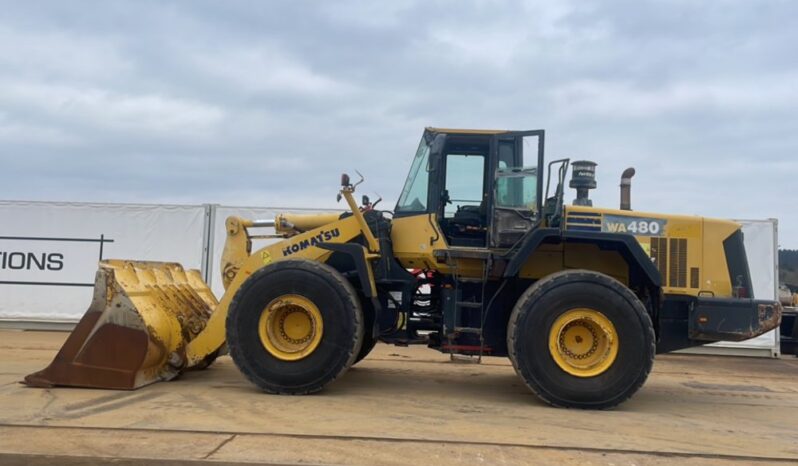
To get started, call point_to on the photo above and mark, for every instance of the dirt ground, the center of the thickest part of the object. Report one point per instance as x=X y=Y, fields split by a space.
x=400 y=406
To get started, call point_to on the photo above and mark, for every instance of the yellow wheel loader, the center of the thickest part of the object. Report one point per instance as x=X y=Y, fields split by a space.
x=481 y=257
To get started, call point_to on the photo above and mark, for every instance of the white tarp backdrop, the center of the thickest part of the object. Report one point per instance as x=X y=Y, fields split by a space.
x=49 y=250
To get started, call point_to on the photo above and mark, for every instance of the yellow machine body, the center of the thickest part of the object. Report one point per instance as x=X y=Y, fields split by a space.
x=165 y=320
x=149 y=321
x=688 y=252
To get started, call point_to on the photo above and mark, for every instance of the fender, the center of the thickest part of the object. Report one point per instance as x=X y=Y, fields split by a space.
x=365 y=275
x=625 y=244
x=358 y=254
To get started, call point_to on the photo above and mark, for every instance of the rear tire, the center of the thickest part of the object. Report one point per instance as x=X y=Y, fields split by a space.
x=614 y=313
x=335 y=305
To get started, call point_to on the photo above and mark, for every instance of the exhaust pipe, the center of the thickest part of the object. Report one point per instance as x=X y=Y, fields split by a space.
x=626 y=188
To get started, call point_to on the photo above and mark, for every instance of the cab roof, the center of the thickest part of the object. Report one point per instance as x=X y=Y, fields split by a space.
x=465 y=131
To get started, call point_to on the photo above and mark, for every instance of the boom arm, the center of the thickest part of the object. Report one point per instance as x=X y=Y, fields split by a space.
x=238 y=264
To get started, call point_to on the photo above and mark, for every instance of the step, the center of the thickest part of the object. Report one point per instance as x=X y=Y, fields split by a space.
x=464 y=359
x=469 y=280
x=469 y=304
x=473 y=330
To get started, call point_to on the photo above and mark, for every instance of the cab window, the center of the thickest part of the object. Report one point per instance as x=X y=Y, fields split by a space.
x=414 y=193
x=464 y=182
x=516 y=188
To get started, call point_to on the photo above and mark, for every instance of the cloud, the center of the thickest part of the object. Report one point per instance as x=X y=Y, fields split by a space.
x=110 y=110
x=59 y=54
x=12 y=132
x=623 y=99
x=264 y=69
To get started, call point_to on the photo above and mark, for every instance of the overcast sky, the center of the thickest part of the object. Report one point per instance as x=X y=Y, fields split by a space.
x=265 y=103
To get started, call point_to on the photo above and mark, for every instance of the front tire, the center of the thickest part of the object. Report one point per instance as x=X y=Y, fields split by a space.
x=369 y=340
x=581 y=339
x=294 y=326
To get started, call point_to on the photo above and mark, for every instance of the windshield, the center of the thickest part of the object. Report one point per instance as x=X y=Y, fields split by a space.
x=516 y=188
x=414 y=194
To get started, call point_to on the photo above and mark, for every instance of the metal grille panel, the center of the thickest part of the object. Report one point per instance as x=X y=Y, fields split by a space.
x=659 y=251
x=677 y=271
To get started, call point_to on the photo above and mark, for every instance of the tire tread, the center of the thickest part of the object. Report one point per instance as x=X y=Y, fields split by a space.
x=317 y=268
x=552 y=281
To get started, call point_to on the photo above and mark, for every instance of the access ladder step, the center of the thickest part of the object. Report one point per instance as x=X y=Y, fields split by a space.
x=469 y=304
x=473 y=330
x=469 y=280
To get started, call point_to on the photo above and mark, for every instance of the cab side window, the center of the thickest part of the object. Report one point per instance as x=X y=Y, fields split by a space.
x=465 y=176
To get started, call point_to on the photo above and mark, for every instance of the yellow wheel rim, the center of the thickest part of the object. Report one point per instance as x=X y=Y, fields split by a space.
x=583 y=342
x=290 y=327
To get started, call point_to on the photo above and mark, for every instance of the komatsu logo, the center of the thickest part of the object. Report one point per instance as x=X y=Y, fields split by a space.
x=322 y=237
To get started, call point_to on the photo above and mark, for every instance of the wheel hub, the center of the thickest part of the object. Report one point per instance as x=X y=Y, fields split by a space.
x=290 y=327
x=583 y=342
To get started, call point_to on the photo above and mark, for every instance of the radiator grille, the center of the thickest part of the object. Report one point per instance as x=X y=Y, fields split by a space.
x=659 y=252
x=677 y=270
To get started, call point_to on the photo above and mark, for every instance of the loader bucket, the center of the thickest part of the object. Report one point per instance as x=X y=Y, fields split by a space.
x=135 y=332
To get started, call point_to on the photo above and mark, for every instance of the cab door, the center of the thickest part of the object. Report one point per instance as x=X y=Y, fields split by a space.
x=517 y=192
x=465 y=197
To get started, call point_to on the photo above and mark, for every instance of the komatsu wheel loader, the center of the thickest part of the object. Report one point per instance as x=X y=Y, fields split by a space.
x=478 y=258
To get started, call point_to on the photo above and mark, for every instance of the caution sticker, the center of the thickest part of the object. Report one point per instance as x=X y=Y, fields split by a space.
x=266 y=257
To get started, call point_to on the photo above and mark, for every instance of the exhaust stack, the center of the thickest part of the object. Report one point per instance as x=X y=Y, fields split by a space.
x=626 y=188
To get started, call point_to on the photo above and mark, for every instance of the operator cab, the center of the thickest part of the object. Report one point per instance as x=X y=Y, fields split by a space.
x=477 y=184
